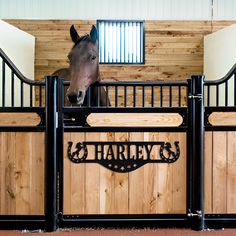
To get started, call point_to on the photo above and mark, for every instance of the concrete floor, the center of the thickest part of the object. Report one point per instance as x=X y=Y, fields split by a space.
x=144 y=232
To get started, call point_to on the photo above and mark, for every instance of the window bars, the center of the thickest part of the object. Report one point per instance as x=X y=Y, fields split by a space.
x=121 y=42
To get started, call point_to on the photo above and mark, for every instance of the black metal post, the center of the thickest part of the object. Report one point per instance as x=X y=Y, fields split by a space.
x=196 y=151
x=60 y=143
x=50 y=154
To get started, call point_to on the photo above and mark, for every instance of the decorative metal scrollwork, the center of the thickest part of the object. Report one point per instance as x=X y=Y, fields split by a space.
x=123 y=156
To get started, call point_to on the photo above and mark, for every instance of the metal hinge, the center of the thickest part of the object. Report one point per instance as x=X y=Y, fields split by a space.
x=196 y=96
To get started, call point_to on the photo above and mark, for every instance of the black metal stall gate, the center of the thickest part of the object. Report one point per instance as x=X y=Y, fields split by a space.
x=46 y=98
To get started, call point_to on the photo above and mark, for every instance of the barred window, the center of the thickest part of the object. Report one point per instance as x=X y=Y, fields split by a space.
x=121 y=42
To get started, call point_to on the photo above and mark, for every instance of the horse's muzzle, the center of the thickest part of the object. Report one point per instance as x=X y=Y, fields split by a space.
x=76 y=98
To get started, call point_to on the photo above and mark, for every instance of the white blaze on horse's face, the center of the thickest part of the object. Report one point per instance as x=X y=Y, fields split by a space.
x=84 y=62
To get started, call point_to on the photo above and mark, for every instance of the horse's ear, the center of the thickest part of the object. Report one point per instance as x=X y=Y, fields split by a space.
x=73 y=34
x=94 y=34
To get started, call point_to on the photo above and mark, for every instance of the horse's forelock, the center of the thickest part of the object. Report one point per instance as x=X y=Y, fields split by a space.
x=83 y=38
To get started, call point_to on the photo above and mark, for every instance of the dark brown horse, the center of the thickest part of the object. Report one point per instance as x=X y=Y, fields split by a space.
x=83 y=71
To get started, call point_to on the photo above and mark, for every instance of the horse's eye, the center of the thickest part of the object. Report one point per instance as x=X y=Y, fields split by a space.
x=93 y=57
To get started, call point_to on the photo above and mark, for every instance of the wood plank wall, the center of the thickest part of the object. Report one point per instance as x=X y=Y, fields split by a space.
x=174 y=49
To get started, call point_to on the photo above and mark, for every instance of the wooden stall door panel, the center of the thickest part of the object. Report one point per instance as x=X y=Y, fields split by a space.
x=136 y=182
x=219 y=192
x=231 y=172
x=150 y=180
x=220 y=169
x=22 y=173
x=37 y=174
x=67 y=180
x=153 y=188
x=92 y=181
x=7 y=174
x=179 y=175
x=107 y=182
x=171 y=188
x=77 y=183
x=208 y=172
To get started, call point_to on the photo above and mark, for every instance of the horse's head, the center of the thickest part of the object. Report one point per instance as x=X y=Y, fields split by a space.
x=84 y=62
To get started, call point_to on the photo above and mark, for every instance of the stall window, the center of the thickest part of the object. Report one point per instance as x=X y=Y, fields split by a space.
x=121 y=42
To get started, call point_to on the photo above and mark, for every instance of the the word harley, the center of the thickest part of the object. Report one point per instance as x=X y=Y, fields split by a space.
x=123 y=156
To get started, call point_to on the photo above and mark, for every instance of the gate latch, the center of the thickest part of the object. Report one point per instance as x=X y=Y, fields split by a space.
x=196 y=96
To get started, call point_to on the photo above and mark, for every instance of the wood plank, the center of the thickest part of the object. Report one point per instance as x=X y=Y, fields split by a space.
x=107 y=182
x=92 y=180
x=23 y=165
x=7 y=178
x=231 y=172
x=219 y=172
x=67 y=176
x=150 y=180
x=179 y=174
x=208 y=175
x=164 y=181
x=136 y=184
x=37 y=173
x=134 y=119
x=121 y=183
x=77 y=180
x=19 y=119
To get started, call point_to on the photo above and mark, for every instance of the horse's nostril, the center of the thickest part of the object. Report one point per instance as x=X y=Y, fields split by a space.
x=72 y=98
x=80 y=94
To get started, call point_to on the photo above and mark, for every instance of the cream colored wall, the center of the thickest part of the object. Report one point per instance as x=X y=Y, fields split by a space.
x=19 y=46
x=219 y=57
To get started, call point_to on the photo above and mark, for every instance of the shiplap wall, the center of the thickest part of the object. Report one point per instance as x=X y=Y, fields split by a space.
x=122 y=9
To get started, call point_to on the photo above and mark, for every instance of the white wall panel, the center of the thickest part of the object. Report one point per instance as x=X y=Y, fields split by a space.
x=106 y=9
x=224 y=10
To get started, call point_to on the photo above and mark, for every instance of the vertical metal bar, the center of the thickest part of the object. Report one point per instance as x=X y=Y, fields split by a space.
x=31 y=96
x=125 y=96
x=134 y=96
x=21 y=93
x=161 y=96
x=116 y=96
x=179 y=96
x=107 y=96
x=197 y=141
x=152 y=95
x=98 y=95
x=50 y=155
x=170 y=96
x=217 y=95
x=12 y=88
x=89 y=97
x=143 y=96
x=40 y=95
x=60 y=146
x=3 y=83
x=226 y=93
x=189 y=165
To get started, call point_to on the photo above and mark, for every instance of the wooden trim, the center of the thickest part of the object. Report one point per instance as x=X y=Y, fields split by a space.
x=222 y=118
x=134 y=119
x=19 y=119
